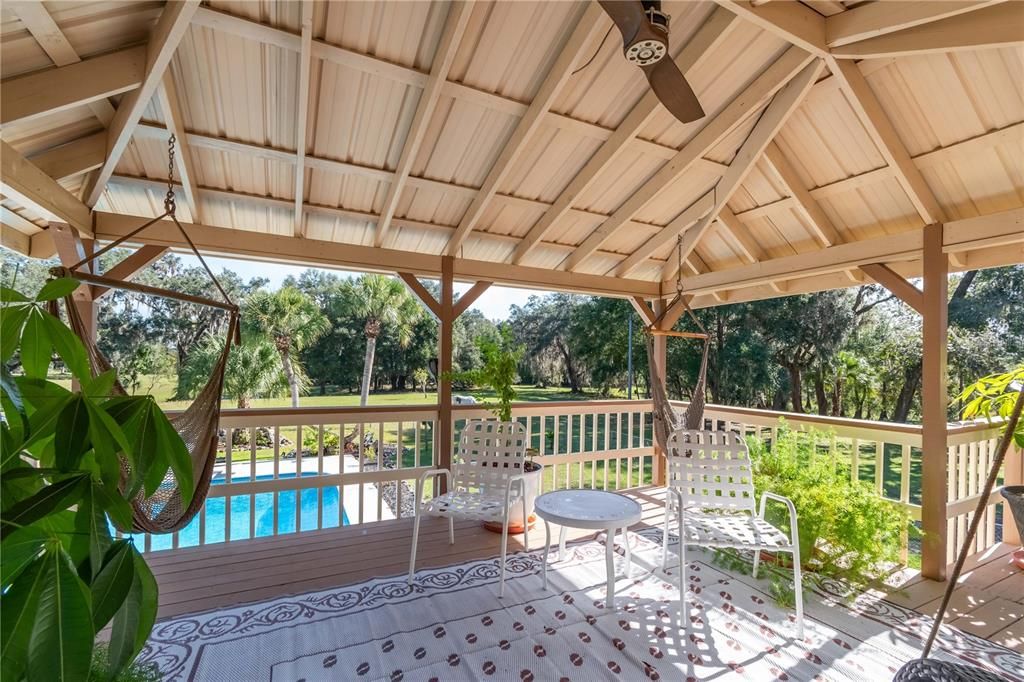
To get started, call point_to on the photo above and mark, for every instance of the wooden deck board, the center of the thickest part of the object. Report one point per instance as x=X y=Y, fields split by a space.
x=989 y=601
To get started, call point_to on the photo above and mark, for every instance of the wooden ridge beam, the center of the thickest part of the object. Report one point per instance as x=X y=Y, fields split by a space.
x=580 y=42
x=46 y=92
x=699 y=47
x=30 y=187
x=444 y=57
x=714 y=131
x=990 y=27
x=258 y=246
x=469 y=298
x=794 y=22
x=130 y=266
x=38 y=21
x=417 y=289
x=169 y=30
x=170 y=105
x=302 y=115
x=774 y=117
x=901 y=288
x=877 y=19
x=824 y=230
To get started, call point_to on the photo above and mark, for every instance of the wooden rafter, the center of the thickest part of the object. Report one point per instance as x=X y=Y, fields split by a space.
x=694 y=212
x=986 y=28
x=824 y=230
x=707 y=37
x=168 y=32
x=876 y=19
x=580 y=42
x=47 y=92
x=794 y=22
x=37 y=20
x=170 y=104
x=68 y=160
x=775 y=115
x=24 y=183
x=130 y=266
x=894 y=282
x=713 y=132
x=869 y=110
x=305 y=66
x=455 y=27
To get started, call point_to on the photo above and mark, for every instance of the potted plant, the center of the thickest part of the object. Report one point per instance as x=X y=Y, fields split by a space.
x=991 y=397
x=500 y=363
x=65 y=578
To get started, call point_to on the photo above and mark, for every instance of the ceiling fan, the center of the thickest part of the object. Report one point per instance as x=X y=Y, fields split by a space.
x=644 y=29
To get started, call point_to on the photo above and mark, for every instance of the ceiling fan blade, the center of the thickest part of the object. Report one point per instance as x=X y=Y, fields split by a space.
x=628 y=16
x=675 y=93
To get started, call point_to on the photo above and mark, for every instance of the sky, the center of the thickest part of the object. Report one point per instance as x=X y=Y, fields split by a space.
x=493 y=303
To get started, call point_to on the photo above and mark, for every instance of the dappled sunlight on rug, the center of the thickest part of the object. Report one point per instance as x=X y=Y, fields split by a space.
x=451 y=625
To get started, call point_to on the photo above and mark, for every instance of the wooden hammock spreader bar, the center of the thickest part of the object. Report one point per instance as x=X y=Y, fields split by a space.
x=141 y=288
x=682 y=335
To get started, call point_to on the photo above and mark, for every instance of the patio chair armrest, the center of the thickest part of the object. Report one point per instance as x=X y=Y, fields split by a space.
x=423 y=477
x=765 y=496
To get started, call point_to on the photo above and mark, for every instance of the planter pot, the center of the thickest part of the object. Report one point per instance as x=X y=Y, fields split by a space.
x=1014 y=495
x=534 y=471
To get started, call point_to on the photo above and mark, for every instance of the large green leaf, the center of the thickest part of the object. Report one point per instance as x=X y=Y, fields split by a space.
x=12 y=393
x=8 y=295
x=116 y=506
x=54 y=497
x=60 y=647
x=68 y=346
x=12 y=319
x=112 y=584
x=36 y=347
x=17 y=617
x=72 y=437
x=173 y=447
x=57 y=288
x=20 y=549
x=134 y=620
x=101 y=385
x=92 y=538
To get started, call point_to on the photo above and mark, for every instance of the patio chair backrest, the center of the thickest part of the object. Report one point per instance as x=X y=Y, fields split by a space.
x=711 y=469
x=489 y=453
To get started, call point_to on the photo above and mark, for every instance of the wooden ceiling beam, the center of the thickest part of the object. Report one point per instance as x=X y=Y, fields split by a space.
x=694 y=212
x=27 y=185
x=581 y=41
x=47 y=92
x=249 y=245
x=129 y=267
x=38 y=21
x=14 y=239
x=302 y=114
x=878 y=126
x=444 y=57
x=875 y=19
x=419 y=291
x=169 y=30
x=71 y=159
x=170 y=105
x=714 y=131
x=824 y=230
x=700 y=46
x=794 y=22
x=775 y=116
x=986 y=28
x=894 y=282
x=749 y=248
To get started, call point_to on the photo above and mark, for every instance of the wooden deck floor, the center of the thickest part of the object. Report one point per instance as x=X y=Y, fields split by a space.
x=989 y=601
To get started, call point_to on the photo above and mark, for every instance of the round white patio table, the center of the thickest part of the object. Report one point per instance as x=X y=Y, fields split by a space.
x=588 y=510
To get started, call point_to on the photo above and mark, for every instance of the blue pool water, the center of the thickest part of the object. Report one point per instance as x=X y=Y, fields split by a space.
x=264 y=514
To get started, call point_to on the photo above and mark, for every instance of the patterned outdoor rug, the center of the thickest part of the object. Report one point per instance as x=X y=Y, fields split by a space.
x=450 y=625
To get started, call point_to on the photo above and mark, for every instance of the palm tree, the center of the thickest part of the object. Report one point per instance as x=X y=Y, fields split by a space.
x=292 y=320
x=253 y=369
x=383 y=302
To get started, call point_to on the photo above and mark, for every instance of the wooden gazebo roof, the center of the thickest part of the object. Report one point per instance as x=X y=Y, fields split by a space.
x=386 y=135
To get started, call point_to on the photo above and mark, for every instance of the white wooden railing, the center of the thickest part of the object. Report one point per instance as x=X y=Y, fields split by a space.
x=273 y=486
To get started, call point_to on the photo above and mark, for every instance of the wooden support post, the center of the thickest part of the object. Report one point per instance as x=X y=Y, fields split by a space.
x=71 y=249
x=661 y=361
x=444 y=366
x=933 y=405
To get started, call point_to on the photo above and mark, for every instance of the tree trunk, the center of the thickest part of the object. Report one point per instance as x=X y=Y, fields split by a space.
x=244 y=402
x=819 y=394
x=371 y=347
x=571 y=371
x=837 y=395
x=796 y=387
x=905 y=400
x=289 y=373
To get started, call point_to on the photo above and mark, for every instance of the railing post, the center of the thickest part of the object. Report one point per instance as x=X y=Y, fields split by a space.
x=934 y=403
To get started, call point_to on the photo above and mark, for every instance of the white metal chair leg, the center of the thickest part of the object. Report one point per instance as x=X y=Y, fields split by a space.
x=547 y=550
x=798 y=585
x=451 y=530
x=415 y=539
x=629 y=558
x=504 y=550
x=526 y=527
x=682 y=574
x=664 y=541
x=757 y=560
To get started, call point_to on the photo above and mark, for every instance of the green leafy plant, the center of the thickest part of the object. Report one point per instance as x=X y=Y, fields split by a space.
x=992 y=397
x=846 y=530
x=500 y=362
x=64 y=576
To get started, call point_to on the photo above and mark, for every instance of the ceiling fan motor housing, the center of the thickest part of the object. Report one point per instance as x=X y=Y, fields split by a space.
x=653 y=45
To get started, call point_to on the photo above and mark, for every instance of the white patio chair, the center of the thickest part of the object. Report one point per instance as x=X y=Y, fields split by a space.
x=711 y=491
x=485 y=481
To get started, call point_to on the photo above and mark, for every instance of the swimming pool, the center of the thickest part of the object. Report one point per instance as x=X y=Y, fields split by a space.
x=264 y=514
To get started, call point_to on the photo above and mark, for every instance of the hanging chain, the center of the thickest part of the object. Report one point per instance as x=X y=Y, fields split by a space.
x=679 y=265
x=169 y=204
